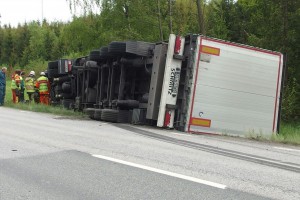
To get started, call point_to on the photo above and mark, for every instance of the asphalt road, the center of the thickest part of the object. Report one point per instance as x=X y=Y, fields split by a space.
x=51 y=157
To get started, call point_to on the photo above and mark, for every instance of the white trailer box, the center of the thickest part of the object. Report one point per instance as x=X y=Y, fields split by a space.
x=235 y=89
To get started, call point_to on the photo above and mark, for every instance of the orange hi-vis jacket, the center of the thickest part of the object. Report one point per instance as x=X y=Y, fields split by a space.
x=43 y=85
x=18 y=80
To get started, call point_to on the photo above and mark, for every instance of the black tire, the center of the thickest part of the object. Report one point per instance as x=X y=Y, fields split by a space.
x=66 y=87
x=104 y=52
x=117 y=48
x=109 y=115
x=139 y=48
x=95 y=55
x=124 y=116
x=90 y=112
x=97 y=114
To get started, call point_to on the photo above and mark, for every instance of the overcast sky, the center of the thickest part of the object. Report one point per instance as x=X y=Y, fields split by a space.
x=19 y=11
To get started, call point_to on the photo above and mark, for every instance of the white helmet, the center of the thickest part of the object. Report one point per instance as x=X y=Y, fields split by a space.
x=43 y=74
x=32 y=73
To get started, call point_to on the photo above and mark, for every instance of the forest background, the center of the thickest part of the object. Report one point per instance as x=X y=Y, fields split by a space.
x=269 y=24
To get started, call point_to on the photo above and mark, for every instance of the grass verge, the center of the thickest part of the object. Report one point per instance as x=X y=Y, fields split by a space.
x=57 y=110
x=289 y=134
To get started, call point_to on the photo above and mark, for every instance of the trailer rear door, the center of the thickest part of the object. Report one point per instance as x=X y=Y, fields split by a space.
x=235 y=89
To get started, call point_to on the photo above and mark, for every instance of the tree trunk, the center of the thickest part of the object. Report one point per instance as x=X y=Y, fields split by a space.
x=200 y=17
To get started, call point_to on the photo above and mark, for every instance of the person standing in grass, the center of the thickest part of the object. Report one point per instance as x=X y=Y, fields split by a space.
x=29 y=85
x=2 y=85
x=22 y=87
x=15 y=82
x=43 y=85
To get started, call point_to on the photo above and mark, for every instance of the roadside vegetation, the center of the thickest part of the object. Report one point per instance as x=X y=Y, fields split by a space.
x=268 y=24
x=289 y=133
x=57 y=110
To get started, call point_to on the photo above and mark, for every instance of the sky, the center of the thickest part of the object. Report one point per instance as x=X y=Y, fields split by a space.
x=20 y=11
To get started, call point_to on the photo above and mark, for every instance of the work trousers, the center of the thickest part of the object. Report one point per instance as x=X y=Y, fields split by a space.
x=44 y=99
x=21 y=96
x=30 y=96
x=14 y=96
x=2 y=95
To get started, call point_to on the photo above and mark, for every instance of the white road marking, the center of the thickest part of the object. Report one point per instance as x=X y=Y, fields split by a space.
x=287 y=149
x=189 y=178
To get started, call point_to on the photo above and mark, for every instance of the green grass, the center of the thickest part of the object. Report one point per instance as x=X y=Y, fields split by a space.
x=57 y=110
x=289 y=134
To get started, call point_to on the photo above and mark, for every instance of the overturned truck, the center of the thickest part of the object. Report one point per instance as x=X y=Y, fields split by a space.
x=194 y=83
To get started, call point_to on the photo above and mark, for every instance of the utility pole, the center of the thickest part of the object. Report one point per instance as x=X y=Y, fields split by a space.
x=200 y=17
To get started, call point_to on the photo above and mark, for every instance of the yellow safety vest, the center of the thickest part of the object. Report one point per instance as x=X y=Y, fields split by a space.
x=13 y=82
x=29 y=84
x=43 y=82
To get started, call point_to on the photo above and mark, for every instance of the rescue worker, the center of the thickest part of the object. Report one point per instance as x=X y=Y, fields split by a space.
x=29 y=85
x=2 y=85
x=22 y=87
x=43 y=86
x=15 y=81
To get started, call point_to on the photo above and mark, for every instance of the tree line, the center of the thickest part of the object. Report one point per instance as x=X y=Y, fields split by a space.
x=269 y=24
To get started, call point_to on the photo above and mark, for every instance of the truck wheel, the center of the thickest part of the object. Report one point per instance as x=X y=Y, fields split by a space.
x=89 y=112
x=117 y=47
x=104 y=52
x=97 y=114
x=66 y=87
x=109 y=115
x=139 y=48
x=95 y=55
x=123 y=116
